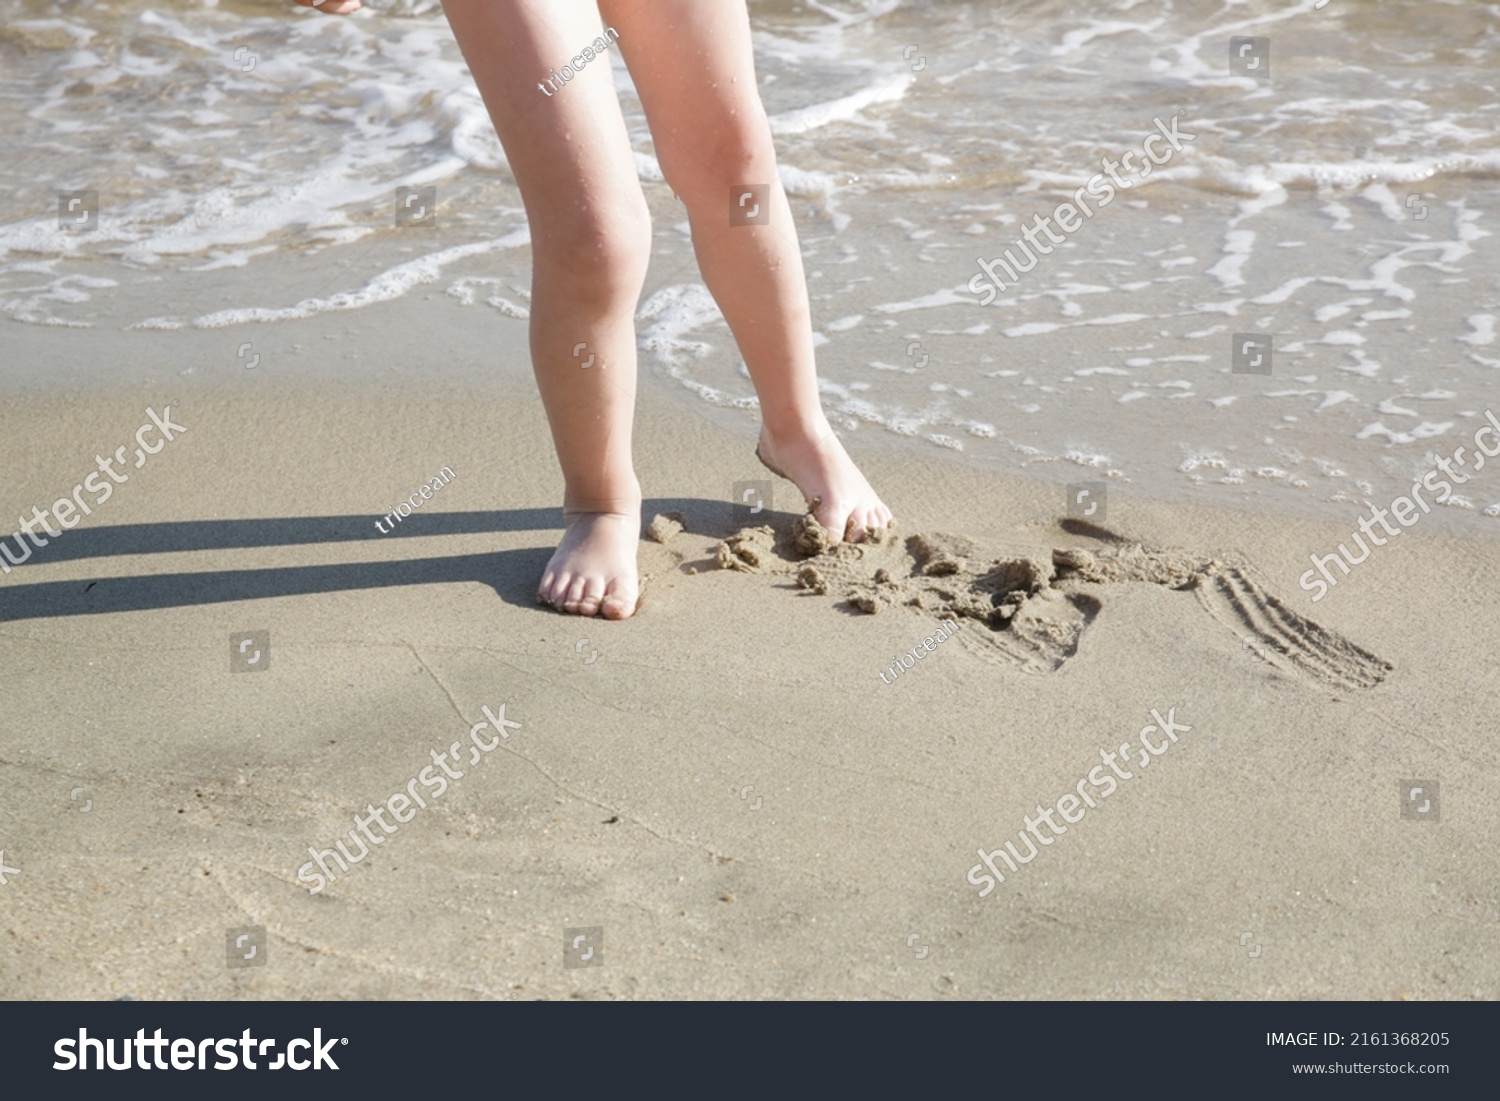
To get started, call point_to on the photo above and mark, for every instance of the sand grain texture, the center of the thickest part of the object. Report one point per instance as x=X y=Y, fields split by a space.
x=724 y=783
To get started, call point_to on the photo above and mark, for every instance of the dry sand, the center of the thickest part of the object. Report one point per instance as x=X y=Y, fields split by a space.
x=723 y=783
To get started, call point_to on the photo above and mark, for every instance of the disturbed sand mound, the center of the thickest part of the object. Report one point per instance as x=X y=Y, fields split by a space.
x=1037 y=608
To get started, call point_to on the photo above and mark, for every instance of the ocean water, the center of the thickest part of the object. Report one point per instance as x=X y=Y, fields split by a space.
x=1335 y=203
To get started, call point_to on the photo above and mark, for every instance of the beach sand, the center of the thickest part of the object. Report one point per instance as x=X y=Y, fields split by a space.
x=724 y=783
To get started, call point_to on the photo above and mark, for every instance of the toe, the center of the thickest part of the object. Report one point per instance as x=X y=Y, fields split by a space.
x=593 y=593
x=858 y=527
x=572 y=597
x=835 y=519
x=552 y=586
x=618 y=604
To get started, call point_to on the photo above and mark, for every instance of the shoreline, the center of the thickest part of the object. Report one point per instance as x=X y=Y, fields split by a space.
x=484 y=351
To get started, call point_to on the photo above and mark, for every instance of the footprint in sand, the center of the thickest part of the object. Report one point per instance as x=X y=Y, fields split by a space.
x=1037 y=610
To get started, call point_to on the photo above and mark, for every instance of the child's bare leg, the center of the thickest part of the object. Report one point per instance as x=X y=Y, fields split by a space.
x=692 y=63
x=591 y=240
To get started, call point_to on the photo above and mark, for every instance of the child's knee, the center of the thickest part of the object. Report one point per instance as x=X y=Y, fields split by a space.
x=739 y=153
x=601 y=251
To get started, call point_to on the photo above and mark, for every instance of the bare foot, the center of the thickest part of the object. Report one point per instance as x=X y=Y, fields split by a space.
x=593 y=570
x=841 y=499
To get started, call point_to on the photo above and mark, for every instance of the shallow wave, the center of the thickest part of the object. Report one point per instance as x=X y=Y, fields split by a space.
x=1344 y=206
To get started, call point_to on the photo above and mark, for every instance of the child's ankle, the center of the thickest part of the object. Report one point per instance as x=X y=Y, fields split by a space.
x=798 y=430
x=619 y=503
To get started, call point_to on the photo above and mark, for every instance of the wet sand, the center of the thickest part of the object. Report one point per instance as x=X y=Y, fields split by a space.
x=724 y=784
